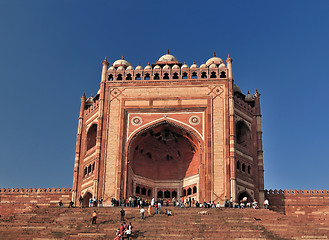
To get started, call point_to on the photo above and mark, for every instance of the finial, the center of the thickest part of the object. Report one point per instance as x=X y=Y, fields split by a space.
x=214 y=54
x=248 y=92
x=84 y=95
x=91 y=95
x=228 y=56
x=257 y=94
x=105 y=62
x=202 y=62
x=193 y=62
x=139 y=64
x=168 y=51
x=148 y=63
x=123 y=57
x=185 y=62
x=229 y=59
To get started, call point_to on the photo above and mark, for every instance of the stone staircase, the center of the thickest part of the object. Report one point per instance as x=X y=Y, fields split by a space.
x=75 y=223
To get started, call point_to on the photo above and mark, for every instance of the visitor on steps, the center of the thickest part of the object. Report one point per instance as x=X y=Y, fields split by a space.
x=156 y=208
x=80 y=201
x=90 y=202
x=60 y=203
x=149 y=210
x=255 y=204
x=152 y=202
x=94 y=218
x=122 y=214
x=142 y=211
x=266 y=203
x=100 y=202
x=231 y=202
x=129 y=231
x=71 y=204
x=121 y=231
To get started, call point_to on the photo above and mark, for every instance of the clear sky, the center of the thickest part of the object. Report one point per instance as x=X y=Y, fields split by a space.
x=51 y=52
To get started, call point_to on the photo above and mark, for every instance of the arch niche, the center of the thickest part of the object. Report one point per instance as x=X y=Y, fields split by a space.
x=164 y=157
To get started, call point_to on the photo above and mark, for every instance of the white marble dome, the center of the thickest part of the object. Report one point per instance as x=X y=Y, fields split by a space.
x=194 y=65
x=157 y=67
x=166 y=67
x=167 y=58
x=175 y=66
x=148 y=67
x=139 y=67
x=121 y=62
x=120 y=68
x=130 y=68
x=215 y=60
x=212 y=66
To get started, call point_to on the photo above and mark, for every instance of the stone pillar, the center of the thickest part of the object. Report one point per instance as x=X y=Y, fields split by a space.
x=229 y=61
x=260 y=164
x=78 y=149
x=231 y=130
x=100 y=128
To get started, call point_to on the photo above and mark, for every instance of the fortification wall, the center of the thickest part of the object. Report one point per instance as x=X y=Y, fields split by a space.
x=15 y=200
x=310 y=204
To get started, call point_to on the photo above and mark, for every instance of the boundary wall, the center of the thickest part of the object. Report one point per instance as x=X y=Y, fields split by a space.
x=18 y=200
x=310 y=204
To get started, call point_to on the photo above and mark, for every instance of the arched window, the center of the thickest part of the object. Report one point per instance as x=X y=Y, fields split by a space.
x=249 y=169
x=110 y=77
x=138 y=190
x=184 y=75
x=194 y=189
x=160 y=194
x=189 y=191
x=149 y=193
x=184 y=192
x=213 y=75
x=167 y=194
x=194 y=75
x=174 y=194
x=91 y=136
x=128 y=77
x=242 y=134
x=119 y=77
x=156 y=76
x=238 y=165
x=243 y=167
x=147 y=76
x=93 y=167
x=222 y=74
x=138 y=76
x=175 y=76
x=85 y=171
x=203 y=75
x=89 y=169
x=143 y=191
x=166 y=76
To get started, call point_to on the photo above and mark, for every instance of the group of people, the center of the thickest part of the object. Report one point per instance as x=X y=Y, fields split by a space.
x=124 y=231
x=185 y=202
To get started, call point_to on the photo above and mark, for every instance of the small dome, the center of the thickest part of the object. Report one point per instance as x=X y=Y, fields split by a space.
x=175 y=66
x=194 y=65
x=157 y=67
x=215 y=60
x=148 y=67
x=203 y=65
x=130 y=68
x=121 y=68
x=90 y=99
x=236 y=88
x=166 y=67
x=222 y=65
x=184 y=66
x=213 y=66
x=111 y=68
x=248 y=97
x=121 y=62
x=167 y=58
x=139 y=67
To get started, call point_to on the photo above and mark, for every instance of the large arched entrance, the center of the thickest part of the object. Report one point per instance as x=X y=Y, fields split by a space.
x=163 y=161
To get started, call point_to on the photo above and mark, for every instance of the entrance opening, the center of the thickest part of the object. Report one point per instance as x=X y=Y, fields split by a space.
x=245 y=194
x=163 y=156
x=86 y=197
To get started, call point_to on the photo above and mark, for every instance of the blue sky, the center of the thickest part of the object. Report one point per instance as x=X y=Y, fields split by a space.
x=51 y=52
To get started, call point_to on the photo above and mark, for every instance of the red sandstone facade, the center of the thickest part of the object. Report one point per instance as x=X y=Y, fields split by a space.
x=169 y=130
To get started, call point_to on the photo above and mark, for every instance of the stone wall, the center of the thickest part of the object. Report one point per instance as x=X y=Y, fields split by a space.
x=310 y=204
x=14 y=200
